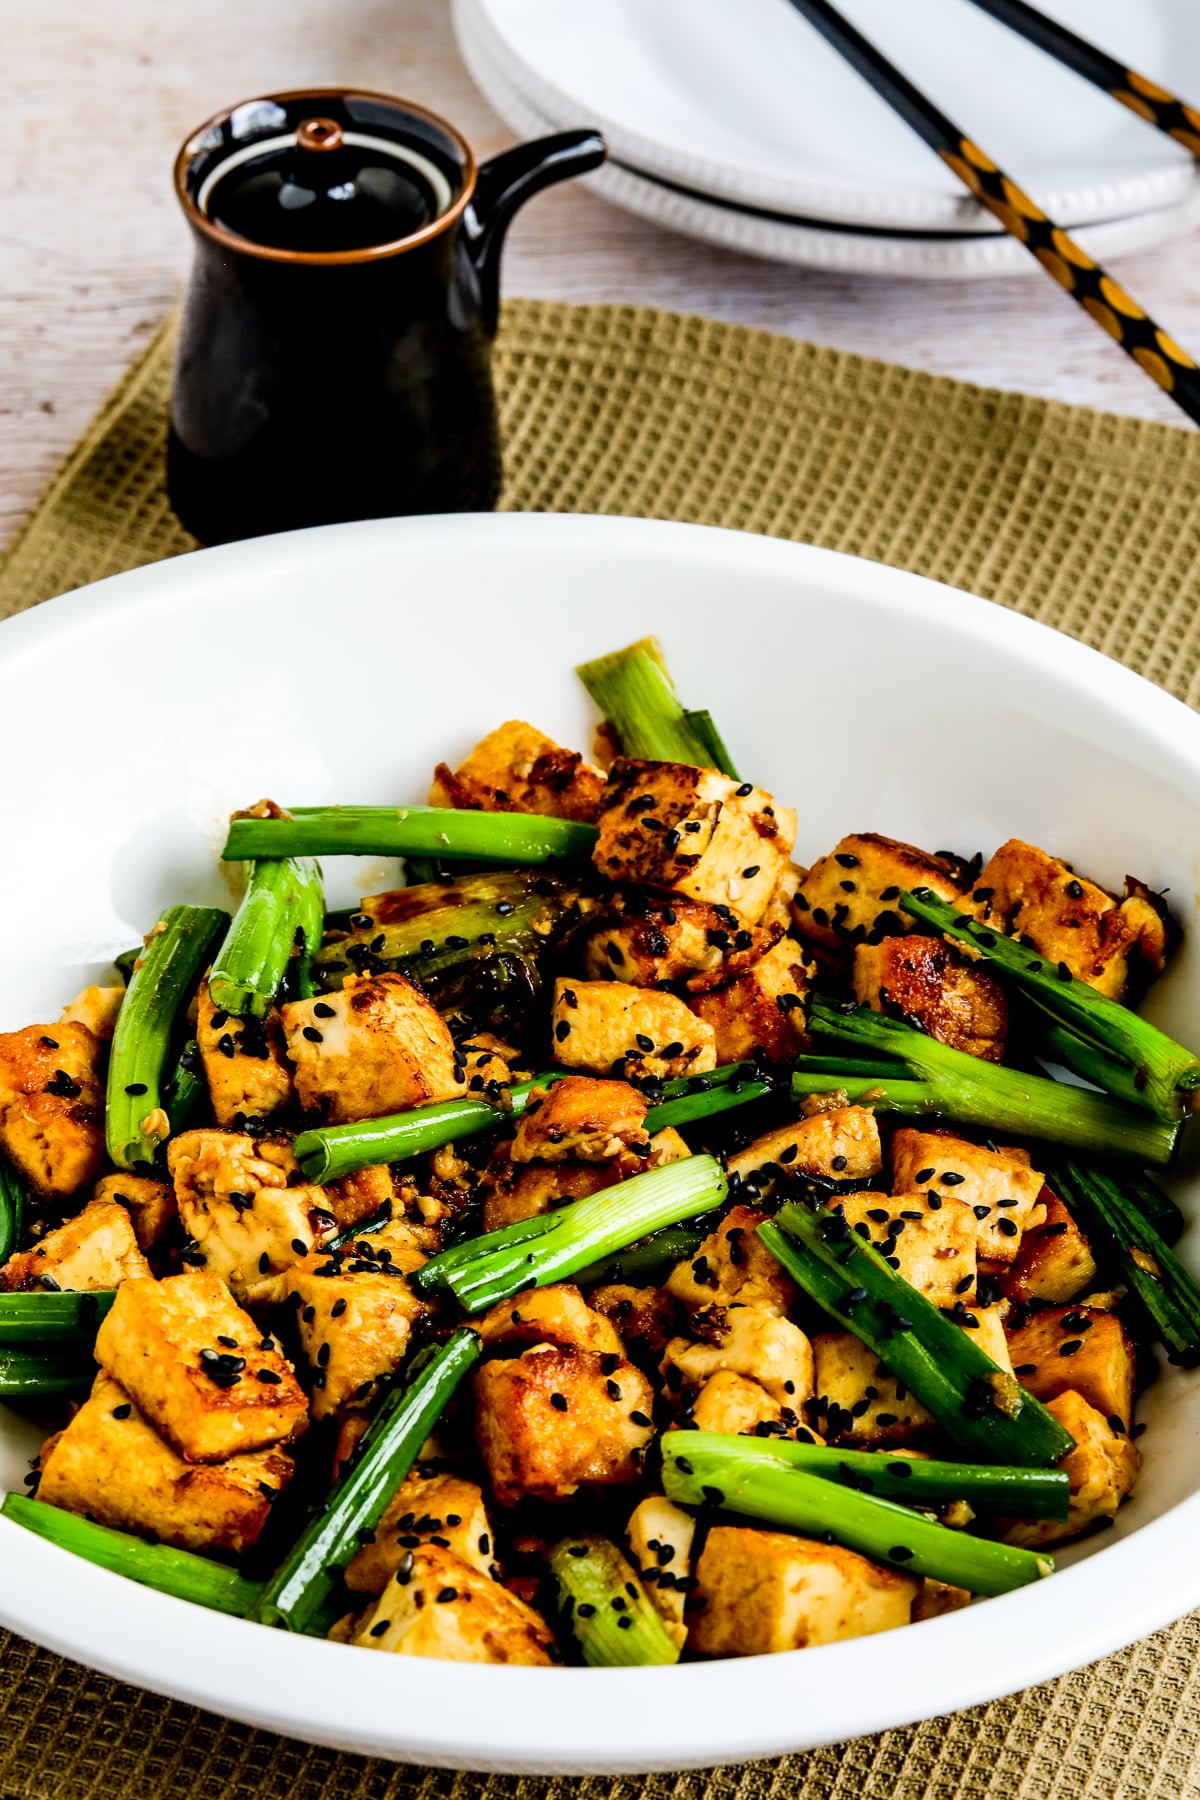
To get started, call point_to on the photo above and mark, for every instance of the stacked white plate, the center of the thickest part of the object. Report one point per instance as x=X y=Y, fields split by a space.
x=734 y=122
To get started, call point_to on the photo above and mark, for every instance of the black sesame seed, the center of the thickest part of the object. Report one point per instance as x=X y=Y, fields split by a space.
x=838 y=1163
x=1009 y=1227
x=299 y=1246
x=1069 y=1348
x=559 y=1402
x=900 y=1554
x=123 y=1411
x=313 y=1035
x=270 y=1377
x=747 y=787
x=684 y=1466
x=1063 y=973
x=638 y=1418
x=135 y=1087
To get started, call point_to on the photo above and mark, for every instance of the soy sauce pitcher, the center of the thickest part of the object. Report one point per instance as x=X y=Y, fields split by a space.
x=334 y=357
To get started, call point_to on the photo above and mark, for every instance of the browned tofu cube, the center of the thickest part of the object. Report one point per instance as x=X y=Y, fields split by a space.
x=516 y=768
x=839 y=1145
x=558 y=1314
x=1000 y=1188
x=925 y=979
x=693 y=832
x=1071 y=920
x=735 y=1405
x=733 y=1265
x=762 y=1008
x=646 y=1317
x=928 y=1239
x=246 y=1209
x=512 y=1192
x=938 y=1597
x=97 y=1008
x=52 y=1107
x=440 y=1606
x=377 y=1046
x=1079 y=1348
x=767 y=1590
x=1102 y=1468
x=354 y=1328
x=244 y=1063
x=149 y=1203
x=112 y=1466
x=647 y=938
x=660 y=1543
x=580 y=1119
x=359 y=1196
x=608 y=1027
x=558 y=1420
x=95 y=1251
x=851 y=894
x=196 y=1365
x=752 y=1342
x=859 y=1402
x=1055 y=1261
x=443 y=1510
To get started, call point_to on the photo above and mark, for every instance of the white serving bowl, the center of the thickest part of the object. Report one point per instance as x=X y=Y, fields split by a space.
x=341 y=664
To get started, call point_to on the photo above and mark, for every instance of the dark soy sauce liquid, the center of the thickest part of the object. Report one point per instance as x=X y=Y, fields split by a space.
x=333 y=200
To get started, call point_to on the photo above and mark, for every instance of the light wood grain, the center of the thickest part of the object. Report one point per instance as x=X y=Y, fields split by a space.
x=92 y=251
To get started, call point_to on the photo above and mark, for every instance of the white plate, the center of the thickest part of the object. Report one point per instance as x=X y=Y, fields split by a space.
x=340 y=664
x=746 y=102
x=974 y=255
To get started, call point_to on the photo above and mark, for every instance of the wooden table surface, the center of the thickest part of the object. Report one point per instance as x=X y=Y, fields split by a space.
x=92 y=250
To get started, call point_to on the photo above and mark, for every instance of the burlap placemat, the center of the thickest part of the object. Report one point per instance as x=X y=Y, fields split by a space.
x=1088 y=522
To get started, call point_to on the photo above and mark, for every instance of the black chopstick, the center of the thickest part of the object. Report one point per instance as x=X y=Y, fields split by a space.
x=1090 y=286
x=1142 y=96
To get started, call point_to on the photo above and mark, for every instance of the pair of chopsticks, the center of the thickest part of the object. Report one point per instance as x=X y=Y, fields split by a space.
x=1102 y=298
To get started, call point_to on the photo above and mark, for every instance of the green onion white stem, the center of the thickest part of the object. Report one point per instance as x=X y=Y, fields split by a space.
x=634 y=691
x=615 y=1622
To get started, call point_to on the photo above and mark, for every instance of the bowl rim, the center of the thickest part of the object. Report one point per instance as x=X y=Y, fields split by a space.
x=465 y=1716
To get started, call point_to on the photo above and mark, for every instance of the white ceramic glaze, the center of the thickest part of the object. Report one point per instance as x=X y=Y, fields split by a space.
x=340 y=664
x=747 y=102
x=972 y=254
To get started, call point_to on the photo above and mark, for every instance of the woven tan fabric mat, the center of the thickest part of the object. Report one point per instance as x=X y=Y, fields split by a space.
x=1089 y=522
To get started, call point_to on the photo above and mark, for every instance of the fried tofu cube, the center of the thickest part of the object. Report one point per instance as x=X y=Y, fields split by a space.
x=938 y=1597
x=149 y=1203
x=666 y=1146
x=359 y=1196
x=926 y=979
x=999 y=1186
x=1102 y=1469
x=443 y=1608
x=859 y=1402
x=558 y=1314
x=1077 y=1348
x=112 y=1466
x=733 y=1264
x=693 y=832
x=354 y=1328
x=92 y=1252
x=646 y=1317
x=1055 y=1261
x=767 y=1590
x=244 y=1063
x=377 y=1046
x=1071 y=920
x=196 y=1366
x=580 y=1119
x=52 y=1107
x=851 y=894
x=931 y=1238
x=97 y=1008
x=559 y=1420
x=734 y=1405
x=443 y=1510
x=608 y=1027
x=762 y=1008
x=839 y=1145
x=516 y=768
x=648 y=938
x=246 y=1208
x=752 y=1342
x=512 y=1193
x=660 y=1541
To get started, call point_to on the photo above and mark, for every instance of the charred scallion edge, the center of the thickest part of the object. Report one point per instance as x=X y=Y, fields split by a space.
x=980 y=1405
x=1025 y=1493
x=27 y=1374
x=124 y=962
x=613 y=1618
x=308 y=1574
x=433 y=1277
x=580 y=1233
x=185 y=1087
x=52 y=1320
x=781 y=1494
x=12 y=1209
x=175 y=1572
x=282 y=899
x=512 y=838
x=938 y=1078
x=1111 y=1216
x=1154 y=1205
x=645 y=1264
x=634 y=691
x=175 y=954
x=1166 y=1075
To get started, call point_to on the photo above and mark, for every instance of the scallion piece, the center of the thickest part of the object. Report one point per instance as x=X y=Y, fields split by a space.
x=513 y=838
x=634 y=691
x=615 y=1622
x=308 y=1574
x=778 y=1493
x=12 y=1210
x=282 y=899
x=644 y=1264
x=34 y=1374
x=184 y=1087
x=175 y=954
x=328 y=1152
x=53 y=1319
